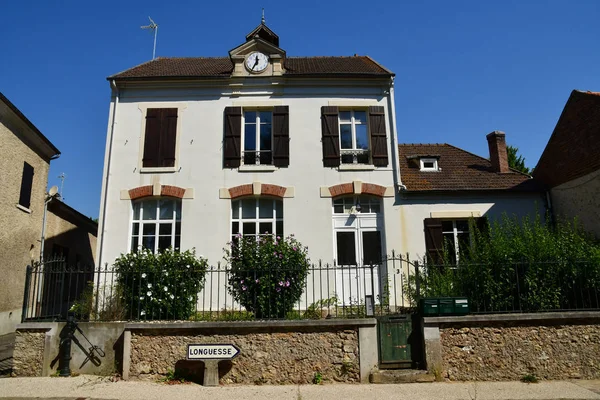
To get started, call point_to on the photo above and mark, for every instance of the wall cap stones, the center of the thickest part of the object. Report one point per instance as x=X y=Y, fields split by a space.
x=546 y=317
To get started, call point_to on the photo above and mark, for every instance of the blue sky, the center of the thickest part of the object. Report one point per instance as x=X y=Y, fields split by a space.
x=463 y=68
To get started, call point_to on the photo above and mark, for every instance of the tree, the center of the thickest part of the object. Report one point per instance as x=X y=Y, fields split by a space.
x=516 y=161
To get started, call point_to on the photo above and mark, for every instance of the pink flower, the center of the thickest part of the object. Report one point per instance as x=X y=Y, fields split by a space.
x=256 y=281
x=278 y=289
x=294 y=248
x=287 y=283
x=280 y=283
x=244 y=288
x=281 y=256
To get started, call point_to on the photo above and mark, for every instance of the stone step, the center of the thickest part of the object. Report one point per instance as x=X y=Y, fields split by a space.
x=401 y=376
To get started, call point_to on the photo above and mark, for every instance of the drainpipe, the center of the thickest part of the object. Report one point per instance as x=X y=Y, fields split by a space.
x=394 y=135
x=107 y=172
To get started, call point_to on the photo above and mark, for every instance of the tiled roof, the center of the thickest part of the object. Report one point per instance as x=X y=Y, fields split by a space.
x=201 y=67
x=460 y=170
x=574 y=147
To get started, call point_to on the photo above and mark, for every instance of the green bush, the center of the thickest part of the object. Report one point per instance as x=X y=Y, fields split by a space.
x=160 y=286
x=267 y=274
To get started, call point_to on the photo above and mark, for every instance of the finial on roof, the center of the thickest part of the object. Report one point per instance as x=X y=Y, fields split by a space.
x=262 y=20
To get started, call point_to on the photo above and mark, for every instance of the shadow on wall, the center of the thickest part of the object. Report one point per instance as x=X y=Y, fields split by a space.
x=193 y=370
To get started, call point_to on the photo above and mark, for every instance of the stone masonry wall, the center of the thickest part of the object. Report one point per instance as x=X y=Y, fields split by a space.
x=265 y=358
x=510 y=352
x=29 y=353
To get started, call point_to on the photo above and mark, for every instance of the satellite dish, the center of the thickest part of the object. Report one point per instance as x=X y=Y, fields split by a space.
x=53 y=190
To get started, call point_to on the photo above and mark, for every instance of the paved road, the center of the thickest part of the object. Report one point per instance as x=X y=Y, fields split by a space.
x=88 y=387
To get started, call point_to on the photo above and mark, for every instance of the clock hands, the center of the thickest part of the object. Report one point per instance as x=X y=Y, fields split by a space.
x=255 y=63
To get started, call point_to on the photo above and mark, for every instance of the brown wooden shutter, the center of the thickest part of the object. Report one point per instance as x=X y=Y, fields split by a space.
x=168 y=137
x=281 y=136
x=330 y=136
x=434 y=240
x=152 y=138
x=26 y=185
x=377 y=131
x=232 y=137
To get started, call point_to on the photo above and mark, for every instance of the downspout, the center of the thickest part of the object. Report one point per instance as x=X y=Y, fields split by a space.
x=394 y=135
x=107 y=172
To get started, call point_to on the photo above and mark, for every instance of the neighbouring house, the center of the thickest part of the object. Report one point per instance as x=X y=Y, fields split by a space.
x=25 y=155
x=255 y=142
x=570 y=163
x=446 y=186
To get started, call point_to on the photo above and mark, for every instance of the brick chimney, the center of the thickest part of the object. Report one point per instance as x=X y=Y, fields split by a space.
x=498 y=156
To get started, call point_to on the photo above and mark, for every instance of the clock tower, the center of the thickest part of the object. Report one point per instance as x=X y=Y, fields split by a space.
x=260 y=55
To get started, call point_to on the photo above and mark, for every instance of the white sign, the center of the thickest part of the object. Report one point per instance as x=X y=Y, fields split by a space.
x=212 y=351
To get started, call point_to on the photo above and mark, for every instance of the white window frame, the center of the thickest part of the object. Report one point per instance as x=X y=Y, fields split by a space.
x=429 y=160
x=367 y=204
x=173 y=220
x=353 y=123
x=455 y=233
x=273 y=219
x=257 y=111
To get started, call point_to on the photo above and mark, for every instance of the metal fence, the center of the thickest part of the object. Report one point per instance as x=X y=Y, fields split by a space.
x=395 y=285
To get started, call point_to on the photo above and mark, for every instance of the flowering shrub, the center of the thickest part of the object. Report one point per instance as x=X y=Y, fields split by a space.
x=160 y=286
x=267 y=274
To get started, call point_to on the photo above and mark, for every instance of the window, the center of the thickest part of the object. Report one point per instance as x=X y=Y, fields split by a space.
x=256 y=217
x=449 y=235
x=156 y=224
x=456 y=237
x=26 y=185
x=160 y=138
x=354 y=139
x=258 y=137
x=356 y=136
x=352 y=204
x=429 y=164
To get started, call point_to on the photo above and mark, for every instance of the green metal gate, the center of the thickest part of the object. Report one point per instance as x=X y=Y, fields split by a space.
x=395 y=334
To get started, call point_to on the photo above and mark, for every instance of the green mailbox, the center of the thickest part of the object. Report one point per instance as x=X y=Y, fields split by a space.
x=436 y=306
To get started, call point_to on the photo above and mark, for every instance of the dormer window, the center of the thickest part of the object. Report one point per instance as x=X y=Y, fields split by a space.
x=429 y=164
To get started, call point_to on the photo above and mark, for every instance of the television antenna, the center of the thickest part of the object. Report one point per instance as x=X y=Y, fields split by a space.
x=154 y=27
x=62 y=178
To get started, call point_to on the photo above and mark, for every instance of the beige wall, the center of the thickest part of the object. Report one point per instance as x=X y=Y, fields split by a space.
x=76 y=238
x=20 y=230
x=579 y=198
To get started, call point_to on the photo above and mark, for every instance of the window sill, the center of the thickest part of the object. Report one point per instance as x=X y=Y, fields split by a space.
x=356 y=167
x=148 y=170
x=257 y=168
x=24 y=209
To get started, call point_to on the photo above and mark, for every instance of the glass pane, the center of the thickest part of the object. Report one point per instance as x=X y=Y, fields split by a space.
x=177 y=242
x=165 y=229
x=265 y=208
x=249 y=228
x=265 y=137
x=178 y=209
x=447 y=226
x=338 y=208
x=265 y=157
x=136 y=211
x=134 y=243
x=375 y=207
x=166 y=208
x=360 y=117
x=279 y=228
x=265 y=227
x=265 y=117
x=345 y=116
x=279 y=208
x=462 y=225
x=235 y=209
x=348 y=206
x=164 y=242
x=371 y=247
x=346 y=250
x=248 y=208
x=250 y=116
x=250 y=137
x=136 y=229
x=346 y=136
x=178 y=228
x=362 y=158
x=463 y=241
x=149 y=229
x=362 y=139
x=149 y=208
x=148 y=242
x=250 y=157
x=347 y=159
x=235 y=227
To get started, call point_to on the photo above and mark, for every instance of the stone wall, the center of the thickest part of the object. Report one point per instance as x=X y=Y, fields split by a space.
x=28 y=356
x=505 y=349
x=265 y=358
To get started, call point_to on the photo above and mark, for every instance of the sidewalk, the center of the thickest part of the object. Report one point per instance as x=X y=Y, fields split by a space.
x=83 y=387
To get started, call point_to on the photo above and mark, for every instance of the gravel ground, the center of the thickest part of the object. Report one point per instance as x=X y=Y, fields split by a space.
x=86 y=386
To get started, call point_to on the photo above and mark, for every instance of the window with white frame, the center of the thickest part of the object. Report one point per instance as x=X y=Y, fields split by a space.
x=357 y=204
x=429 y=164
x=156 y=224
x=354 y=137
x=258 y=137
x=456 y=237
x=257 y=216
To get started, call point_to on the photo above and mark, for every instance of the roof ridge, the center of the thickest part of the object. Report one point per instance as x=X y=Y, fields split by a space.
x=487 y=159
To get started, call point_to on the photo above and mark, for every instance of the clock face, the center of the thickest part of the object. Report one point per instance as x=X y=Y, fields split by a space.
x=257 y=62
